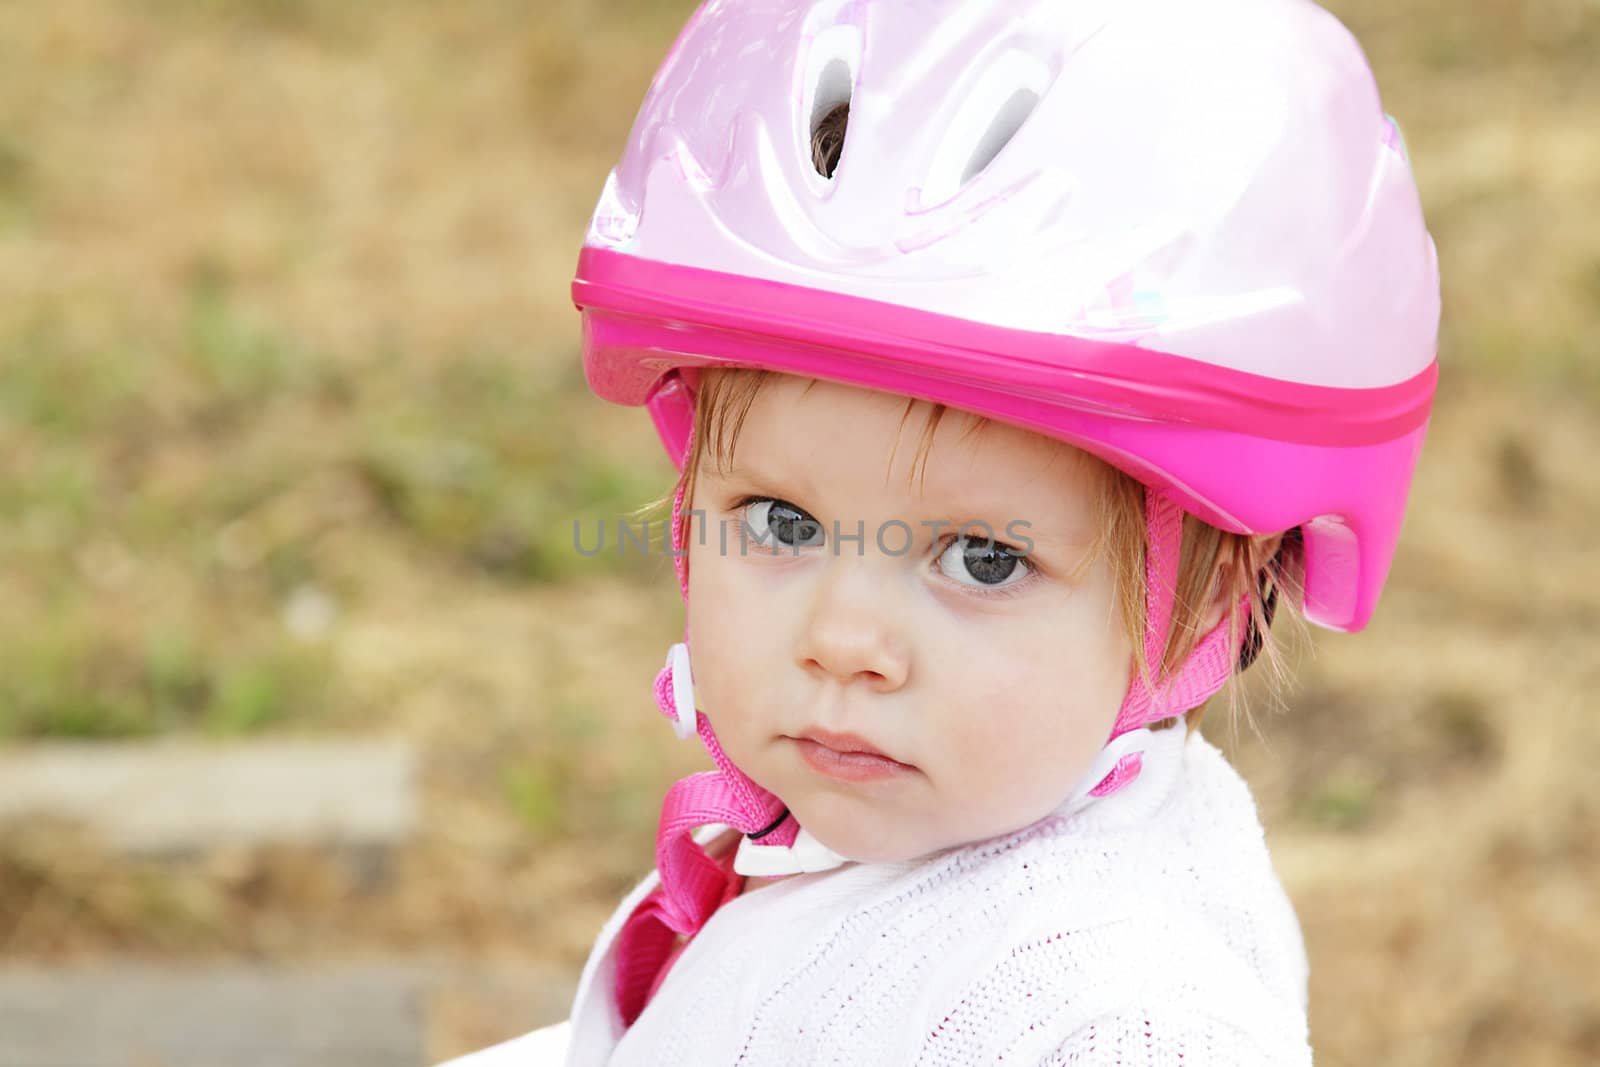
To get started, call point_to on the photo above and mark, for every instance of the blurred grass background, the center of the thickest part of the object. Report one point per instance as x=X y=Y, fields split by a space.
x=293 y=433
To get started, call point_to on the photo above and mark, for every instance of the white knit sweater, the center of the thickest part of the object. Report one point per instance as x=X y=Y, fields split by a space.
x=1148 y=928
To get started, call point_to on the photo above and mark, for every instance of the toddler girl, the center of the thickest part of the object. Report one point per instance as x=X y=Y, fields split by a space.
x=1021 y=360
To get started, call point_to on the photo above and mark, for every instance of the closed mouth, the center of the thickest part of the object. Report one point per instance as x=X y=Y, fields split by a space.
x=846 y=749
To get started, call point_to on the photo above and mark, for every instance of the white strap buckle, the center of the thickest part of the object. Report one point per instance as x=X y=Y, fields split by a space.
x=685 y=721
x=1115 y=751
x=806 y=856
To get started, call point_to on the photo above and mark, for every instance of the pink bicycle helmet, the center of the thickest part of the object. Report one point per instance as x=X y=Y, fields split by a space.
x=1182 y=237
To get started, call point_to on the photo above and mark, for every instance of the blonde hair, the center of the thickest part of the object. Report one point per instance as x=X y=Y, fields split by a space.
x=1212 y=561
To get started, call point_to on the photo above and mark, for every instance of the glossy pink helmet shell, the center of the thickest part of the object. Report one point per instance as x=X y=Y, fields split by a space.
x=1183 y=237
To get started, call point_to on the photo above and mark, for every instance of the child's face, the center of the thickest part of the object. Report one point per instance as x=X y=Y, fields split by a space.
x=989 y=684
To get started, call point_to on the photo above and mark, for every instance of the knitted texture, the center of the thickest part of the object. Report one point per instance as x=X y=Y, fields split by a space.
x=1148 y=928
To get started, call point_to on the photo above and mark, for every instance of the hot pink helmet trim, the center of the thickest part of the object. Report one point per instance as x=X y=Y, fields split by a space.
x=1061 y=368
x=1335 y=461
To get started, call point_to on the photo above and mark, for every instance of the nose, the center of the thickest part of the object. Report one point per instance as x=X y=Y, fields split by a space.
x=853 y=633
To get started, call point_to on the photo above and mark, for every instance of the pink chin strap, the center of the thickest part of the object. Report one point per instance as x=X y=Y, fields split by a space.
x=693 y=884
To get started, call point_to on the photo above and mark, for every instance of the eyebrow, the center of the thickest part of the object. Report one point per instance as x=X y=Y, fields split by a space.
x=760 y=476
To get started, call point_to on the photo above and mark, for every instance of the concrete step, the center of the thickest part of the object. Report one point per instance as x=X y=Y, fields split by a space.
x=400 y=1014
x=175 y=796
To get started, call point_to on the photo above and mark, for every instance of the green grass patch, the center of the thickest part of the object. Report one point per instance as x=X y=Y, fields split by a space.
x=74 y=681
x=581 y=779
x=16 y=183
x=60 y=388
x=1345 y=800
x=142 y=461
x=494 y=465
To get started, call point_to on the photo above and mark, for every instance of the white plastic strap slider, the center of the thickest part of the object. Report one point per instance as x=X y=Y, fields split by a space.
x=1131 y=743
x=806 y=856
x=685 y=721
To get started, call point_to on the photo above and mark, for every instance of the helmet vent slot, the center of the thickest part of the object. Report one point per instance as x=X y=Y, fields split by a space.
x=1002 y=128
x=981 y=117
x=827 y=140
x=830 y=116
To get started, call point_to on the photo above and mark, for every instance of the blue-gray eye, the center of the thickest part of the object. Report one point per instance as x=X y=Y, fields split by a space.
x=982 y=563
x=777 y=522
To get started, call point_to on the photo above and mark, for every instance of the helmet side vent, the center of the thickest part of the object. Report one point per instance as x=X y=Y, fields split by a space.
x=827 y=139
x=987 y=114
x=1004 y=126
x=830 y=116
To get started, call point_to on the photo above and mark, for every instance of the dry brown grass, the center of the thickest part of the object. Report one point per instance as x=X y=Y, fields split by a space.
x=266 y=262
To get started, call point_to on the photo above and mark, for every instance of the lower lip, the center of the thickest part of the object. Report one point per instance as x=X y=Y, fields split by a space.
x=848 y=766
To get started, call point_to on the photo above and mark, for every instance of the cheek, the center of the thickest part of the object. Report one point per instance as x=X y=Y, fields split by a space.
x=1038 y=711
x=731 y=641
x=1007 y=728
